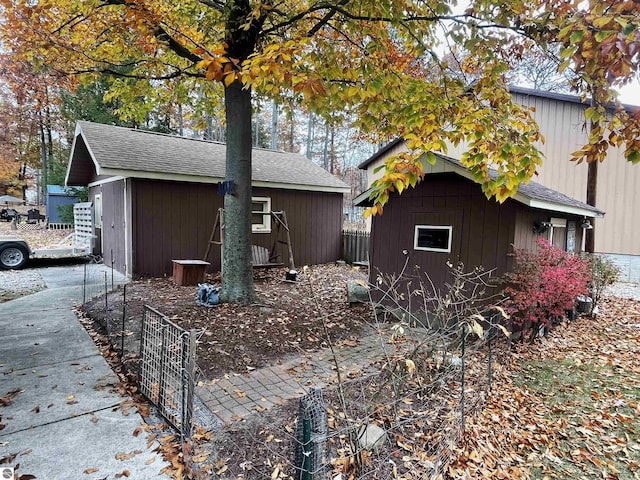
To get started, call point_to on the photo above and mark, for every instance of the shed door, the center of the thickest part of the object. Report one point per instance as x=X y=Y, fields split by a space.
x=430 y=245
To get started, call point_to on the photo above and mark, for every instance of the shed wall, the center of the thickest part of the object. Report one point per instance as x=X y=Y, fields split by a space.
x=111 y=238
x=173 y=220
x=525 y=238
x=481 y=236
x=55 y=201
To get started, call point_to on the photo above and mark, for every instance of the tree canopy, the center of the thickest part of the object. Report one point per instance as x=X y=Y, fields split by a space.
x=379 y=61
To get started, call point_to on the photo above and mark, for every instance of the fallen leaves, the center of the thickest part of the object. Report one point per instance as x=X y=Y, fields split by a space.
x=127 y=456
x=250 y=337
x=569 y=407
x=7 y=398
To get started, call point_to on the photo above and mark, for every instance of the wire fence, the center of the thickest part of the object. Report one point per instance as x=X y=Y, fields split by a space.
x=154 y=351
x=105 y=297
x=167 y=365
x=396 y=406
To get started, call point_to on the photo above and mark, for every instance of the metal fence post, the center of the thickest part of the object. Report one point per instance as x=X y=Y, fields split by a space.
x=106 y=303
x=124 y=317
x=489 y=355
x=306 y=449
x=111 y=269
x=84 y=284
x=189 y=363
x=464 y=341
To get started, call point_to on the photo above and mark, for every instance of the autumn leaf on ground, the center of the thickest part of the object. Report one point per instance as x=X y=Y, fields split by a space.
x=7 y=399
x=124 y=456
x=89 y=471
x=8 y=458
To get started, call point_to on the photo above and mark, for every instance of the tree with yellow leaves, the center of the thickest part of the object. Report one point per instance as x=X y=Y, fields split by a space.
x=378 y=60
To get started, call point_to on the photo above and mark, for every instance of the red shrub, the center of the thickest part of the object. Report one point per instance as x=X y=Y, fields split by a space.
x=544 y=284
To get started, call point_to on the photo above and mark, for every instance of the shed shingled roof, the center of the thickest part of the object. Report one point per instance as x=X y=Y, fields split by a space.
x=526 y=191
x=137 y=153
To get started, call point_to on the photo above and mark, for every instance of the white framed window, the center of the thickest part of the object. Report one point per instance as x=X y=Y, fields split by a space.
x=97 y=209
x=432 y=238
x=260 y=214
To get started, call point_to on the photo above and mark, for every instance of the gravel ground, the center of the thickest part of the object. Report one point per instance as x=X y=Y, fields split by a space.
x=624 y=290
x=15 y=283
x=36 y=236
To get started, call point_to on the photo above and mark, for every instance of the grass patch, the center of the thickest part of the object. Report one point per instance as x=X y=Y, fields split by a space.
x=594 y=418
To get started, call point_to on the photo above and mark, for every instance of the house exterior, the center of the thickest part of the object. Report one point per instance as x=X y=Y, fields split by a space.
x=448 y=219
x=562 y=122
x=156 y=198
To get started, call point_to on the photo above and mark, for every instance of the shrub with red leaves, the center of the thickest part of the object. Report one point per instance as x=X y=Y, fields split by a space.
x=544 y=284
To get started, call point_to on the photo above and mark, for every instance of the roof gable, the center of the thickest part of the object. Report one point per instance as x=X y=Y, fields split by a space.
x=127 y=152
x=532 y=194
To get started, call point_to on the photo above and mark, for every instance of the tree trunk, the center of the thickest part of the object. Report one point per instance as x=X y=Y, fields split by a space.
x=43 y=158
x=237 y=279
x=310 y=126
x=274 y=125
x=592 y=183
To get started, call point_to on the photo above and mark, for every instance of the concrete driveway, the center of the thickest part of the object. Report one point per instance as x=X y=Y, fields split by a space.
x=59 y=414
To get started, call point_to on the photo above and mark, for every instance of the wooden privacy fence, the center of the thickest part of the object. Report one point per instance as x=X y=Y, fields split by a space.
x=355 y=245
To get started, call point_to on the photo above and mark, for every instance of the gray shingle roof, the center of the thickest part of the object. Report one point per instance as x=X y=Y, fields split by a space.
x=531 y=191
x=536 y=191
x=140 y=153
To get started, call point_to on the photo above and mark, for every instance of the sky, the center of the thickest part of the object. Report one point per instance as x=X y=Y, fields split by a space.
x=631 y=94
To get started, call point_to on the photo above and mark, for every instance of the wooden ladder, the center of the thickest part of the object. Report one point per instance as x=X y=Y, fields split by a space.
x=218 y=225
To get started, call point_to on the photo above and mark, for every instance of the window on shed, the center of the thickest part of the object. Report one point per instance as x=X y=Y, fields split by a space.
x=260 y=214
x=432 y=238
x=97 y=210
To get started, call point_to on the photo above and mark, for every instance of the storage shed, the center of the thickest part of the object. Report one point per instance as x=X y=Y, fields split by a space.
x=156 y=198
x=447 y=218
x=57 y=196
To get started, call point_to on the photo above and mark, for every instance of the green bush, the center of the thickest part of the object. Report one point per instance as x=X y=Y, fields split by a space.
x=66 y=211
x=603 y=273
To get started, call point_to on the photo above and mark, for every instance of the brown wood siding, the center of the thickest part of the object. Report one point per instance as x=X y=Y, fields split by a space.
x=113 y=225
x=481 y=235
x=315 y=225
x=110 y=241
x=84 y=170
x=173 y=220
x=525 y=238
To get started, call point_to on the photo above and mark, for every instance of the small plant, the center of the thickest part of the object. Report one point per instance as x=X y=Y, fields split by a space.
x=66 y=211
x=544 y=285
x=603 y=273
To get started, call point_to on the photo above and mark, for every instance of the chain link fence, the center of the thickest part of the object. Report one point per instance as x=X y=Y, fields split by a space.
x=401 y=421
x=394 y=404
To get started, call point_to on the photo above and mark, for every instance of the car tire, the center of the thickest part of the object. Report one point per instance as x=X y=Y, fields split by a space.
x=13 y=256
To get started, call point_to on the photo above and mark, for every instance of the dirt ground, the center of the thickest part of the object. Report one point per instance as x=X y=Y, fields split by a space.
x=287 y=319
